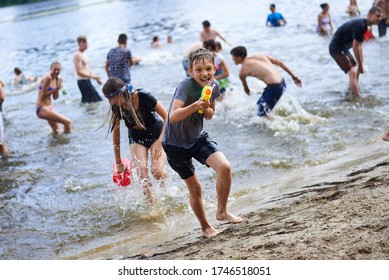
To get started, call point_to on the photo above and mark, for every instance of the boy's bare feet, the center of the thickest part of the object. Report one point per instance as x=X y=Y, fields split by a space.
x=209 y=232
x=227 y=216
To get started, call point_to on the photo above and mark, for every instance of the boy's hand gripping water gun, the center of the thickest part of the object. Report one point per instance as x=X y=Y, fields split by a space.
x=206 y=95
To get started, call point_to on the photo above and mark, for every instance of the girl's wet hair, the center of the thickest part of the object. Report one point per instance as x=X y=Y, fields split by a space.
x=200 y=54
x=115 y=87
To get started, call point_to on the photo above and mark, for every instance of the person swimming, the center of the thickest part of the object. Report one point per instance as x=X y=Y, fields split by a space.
x=22 y=79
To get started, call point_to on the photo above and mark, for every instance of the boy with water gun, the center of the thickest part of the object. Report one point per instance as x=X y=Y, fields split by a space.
x=185 y=139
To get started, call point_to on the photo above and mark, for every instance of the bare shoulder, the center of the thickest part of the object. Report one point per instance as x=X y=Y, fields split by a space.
x=77 y=56
x=46 y=77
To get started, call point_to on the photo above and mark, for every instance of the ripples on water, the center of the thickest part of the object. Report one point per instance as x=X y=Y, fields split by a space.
x=56 y=194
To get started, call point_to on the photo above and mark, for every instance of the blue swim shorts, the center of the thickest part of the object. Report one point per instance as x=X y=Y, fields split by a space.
x=270 y=97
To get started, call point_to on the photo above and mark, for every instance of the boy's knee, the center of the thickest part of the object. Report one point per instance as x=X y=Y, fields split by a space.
x=225 y=168
x=195 y=190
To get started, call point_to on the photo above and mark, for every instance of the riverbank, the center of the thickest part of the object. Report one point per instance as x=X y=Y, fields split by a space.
x=342 y=216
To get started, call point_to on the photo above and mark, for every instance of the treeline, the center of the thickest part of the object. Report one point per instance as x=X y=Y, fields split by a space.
x=5 y=3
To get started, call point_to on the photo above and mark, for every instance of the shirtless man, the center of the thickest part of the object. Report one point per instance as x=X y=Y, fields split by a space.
x=50 y=86
x=262 y=67
x=382 y=26
x=84 y=73
x=209 y=33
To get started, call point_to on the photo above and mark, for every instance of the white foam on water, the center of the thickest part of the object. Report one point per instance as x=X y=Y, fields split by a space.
x=158 y=56
x=287 y=116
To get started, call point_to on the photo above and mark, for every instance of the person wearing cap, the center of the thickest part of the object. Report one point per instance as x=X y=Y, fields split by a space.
x=262 y=67
x=139 y=110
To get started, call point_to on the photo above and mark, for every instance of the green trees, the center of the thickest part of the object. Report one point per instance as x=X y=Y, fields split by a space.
x=5 y=3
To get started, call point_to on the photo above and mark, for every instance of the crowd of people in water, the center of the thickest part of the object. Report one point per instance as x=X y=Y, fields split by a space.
x=175 y=134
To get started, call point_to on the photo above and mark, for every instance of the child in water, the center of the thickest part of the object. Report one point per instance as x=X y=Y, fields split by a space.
x=137 y=109
x=185 y=139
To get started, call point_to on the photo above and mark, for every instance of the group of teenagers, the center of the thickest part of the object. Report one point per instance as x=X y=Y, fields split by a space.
x=176 y=135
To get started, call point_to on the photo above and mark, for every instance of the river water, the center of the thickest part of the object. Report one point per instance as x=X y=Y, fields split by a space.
x=57 y=199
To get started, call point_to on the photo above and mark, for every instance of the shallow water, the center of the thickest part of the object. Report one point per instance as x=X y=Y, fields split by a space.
x=57 y=199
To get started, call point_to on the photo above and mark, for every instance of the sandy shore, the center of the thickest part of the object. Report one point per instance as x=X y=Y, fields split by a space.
x=345 y=217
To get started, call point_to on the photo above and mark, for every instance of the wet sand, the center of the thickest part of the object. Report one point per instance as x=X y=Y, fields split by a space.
x=342 y=215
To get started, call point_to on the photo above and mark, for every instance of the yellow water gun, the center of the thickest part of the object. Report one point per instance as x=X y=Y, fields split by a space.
x=206 y=94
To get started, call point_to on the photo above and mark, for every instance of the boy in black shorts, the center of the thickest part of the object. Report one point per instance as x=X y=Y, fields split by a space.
x=185 y=139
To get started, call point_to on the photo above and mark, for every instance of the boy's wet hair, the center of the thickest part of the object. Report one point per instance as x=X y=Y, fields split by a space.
x=200 y=54
x=81 y=39
x=239 y=51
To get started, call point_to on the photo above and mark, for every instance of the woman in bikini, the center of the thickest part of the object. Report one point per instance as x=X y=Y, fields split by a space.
x=139 y=110
x=50 y=86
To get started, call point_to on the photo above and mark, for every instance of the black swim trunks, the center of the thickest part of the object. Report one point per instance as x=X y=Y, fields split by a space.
x=180 y=159
x=88 y=92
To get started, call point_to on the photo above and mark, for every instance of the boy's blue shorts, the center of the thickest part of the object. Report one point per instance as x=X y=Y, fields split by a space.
x=270 y=97
x=180 y=159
